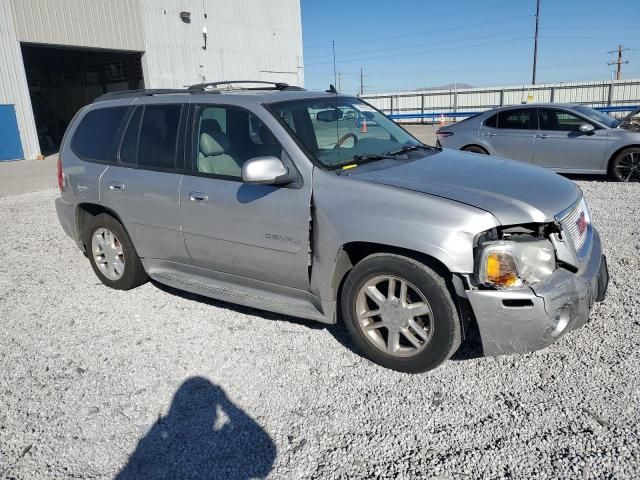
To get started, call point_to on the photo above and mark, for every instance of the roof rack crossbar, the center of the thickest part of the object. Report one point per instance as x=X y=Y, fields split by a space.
x=200 y=87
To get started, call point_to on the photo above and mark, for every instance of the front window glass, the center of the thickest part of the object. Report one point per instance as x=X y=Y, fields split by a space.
x=598 y=116
x=335 y=130
x=229 y=136
x=559 y=120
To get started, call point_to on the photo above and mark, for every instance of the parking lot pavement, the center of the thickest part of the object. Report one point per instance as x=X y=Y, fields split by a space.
x=155 y=383
x=27 y=176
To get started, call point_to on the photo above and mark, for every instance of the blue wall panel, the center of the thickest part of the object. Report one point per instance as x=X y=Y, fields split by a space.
x=10 y=144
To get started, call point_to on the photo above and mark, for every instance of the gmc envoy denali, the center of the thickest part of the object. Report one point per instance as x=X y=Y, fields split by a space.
x=316 y=205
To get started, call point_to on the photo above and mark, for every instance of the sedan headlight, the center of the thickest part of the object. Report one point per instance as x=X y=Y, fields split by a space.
x=513 y=264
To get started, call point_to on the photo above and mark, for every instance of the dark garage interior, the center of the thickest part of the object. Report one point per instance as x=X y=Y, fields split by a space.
x=63 y=80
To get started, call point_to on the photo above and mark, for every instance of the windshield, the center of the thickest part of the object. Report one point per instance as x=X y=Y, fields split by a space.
x=342 y=130
x=597 y=116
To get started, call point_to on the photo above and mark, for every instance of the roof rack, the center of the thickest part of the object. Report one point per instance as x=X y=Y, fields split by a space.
x=201 y=87
x=143 y=92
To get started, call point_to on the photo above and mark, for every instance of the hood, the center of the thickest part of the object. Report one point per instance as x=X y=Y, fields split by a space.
x=514 y=192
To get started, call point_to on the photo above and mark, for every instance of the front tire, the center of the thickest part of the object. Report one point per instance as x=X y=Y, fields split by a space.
x=112 y=255
x=400 y=313
x=625 y=166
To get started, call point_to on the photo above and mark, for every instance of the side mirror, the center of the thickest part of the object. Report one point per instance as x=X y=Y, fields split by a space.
x=266 y=171
x=587 y=128
x=332 y=115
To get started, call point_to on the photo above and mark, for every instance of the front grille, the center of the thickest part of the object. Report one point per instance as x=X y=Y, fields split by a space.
x=577 y=224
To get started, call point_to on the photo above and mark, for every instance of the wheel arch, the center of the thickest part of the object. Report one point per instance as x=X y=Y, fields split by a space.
x=482 y=147
x=353 y=252
x=84 y=211
x=617 y=152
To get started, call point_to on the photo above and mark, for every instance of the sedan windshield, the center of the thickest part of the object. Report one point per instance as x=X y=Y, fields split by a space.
x=597 y=116
x=340 y=131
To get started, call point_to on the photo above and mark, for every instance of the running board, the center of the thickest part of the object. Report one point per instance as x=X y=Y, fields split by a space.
x=235 y=289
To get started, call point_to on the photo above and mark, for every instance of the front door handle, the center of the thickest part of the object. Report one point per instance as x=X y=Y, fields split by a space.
x=542 y=136
x=198 y=197
x=116 y=186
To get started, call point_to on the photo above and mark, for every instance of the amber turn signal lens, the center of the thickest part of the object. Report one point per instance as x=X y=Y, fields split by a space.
x=501 y=269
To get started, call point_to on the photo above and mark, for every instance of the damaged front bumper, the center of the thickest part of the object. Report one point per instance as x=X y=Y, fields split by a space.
x=531 y=318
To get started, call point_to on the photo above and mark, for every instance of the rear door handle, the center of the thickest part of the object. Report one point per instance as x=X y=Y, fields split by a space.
x=491 y=134
x=117 y=186
x=198 y=197
x=542 y=136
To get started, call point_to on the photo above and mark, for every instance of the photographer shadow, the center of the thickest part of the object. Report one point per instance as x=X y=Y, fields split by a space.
x=204 y=436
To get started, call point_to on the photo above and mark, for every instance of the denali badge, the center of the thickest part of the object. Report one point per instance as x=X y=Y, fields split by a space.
x=581 y=223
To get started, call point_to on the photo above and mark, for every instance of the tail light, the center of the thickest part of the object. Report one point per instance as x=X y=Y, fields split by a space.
x=443 y=134
x=61 y=181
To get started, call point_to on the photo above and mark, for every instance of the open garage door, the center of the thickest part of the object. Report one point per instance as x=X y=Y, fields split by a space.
x=62 y=80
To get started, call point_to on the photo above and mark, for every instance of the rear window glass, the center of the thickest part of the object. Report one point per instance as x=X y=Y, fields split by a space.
x=159 y=136
x=129 y=147
x=492 y=121
x=520 y=119
x=97 y=135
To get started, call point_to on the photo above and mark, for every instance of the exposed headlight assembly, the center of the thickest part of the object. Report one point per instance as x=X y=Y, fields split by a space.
x=515 y=263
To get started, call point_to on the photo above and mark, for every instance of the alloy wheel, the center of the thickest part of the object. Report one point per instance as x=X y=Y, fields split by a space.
x=394 y=316
x=108 y=253
x=628 y=167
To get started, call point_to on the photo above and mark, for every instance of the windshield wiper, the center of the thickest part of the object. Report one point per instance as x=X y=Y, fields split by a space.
x=362 y=159
x=412 y=148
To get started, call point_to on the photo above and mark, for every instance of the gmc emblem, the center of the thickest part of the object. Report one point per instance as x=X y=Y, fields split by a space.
x=581 y=223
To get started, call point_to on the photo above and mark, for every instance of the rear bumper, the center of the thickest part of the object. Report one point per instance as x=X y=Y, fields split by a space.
x=67 y=216
x=532 y=318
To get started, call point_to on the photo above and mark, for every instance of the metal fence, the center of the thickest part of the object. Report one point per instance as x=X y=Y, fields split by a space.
x=616 y=97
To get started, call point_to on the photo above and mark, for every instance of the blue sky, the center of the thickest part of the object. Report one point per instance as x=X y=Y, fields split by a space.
x=405 y=44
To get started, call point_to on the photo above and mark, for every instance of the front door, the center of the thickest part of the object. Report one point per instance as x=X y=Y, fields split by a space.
x=259 y=232
x=513 y=136
x=559 y=143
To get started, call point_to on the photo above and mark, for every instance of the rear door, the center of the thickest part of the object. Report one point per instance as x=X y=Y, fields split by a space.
x=559 y=143
x=512 y=136
x=143 y=187
x=259 y=232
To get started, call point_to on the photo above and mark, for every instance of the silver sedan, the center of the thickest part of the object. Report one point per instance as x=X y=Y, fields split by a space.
x=565 y=138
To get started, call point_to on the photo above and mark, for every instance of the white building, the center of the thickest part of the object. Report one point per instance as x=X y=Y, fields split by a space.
x=58 y=55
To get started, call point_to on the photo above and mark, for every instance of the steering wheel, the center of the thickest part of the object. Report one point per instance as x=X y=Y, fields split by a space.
x=344 y=138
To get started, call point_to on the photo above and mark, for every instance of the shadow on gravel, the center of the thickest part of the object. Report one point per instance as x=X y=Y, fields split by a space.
x=204 y=436
x=471 y=347
x=337 y=331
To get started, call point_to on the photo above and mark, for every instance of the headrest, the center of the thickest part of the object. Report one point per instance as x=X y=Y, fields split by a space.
x=209 y=125
x=214 y=143
x=266 y=137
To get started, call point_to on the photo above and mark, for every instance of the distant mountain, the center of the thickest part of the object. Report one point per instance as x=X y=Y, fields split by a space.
x=448 y=86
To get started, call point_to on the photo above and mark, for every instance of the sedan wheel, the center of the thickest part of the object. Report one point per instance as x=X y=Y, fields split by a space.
x=626 y=166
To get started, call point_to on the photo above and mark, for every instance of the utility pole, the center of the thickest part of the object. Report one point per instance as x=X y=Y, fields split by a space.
x=619 y=61
x=335 y=75
x=535 y=43
x=339 y=81
x=361 y=83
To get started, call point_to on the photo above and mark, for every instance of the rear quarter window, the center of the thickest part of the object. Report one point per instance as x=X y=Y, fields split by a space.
x=96 y=137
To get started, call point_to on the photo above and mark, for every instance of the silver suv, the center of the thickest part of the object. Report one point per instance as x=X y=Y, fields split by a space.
x=316 y=205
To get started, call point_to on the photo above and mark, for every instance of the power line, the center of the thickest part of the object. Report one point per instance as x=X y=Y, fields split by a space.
x=404 y=47
x=507 y=41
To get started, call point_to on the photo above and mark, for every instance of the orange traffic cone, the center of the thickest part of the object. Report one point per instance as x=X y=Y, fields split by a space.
x=363 y=127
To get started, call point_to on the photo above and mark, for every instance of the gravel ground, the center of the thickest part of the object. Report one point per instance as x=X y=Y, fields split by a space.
x=153 y=383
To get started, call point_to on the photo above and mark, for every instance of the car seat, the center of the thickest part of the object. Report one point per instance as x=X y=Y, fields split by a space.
x=215 y=155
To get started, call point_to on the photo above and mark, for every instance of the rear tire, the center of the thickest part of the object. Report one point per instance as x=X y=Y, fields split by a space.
x=475 y=149
x=625 y=166
x=400 y=313
x=112 y=255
